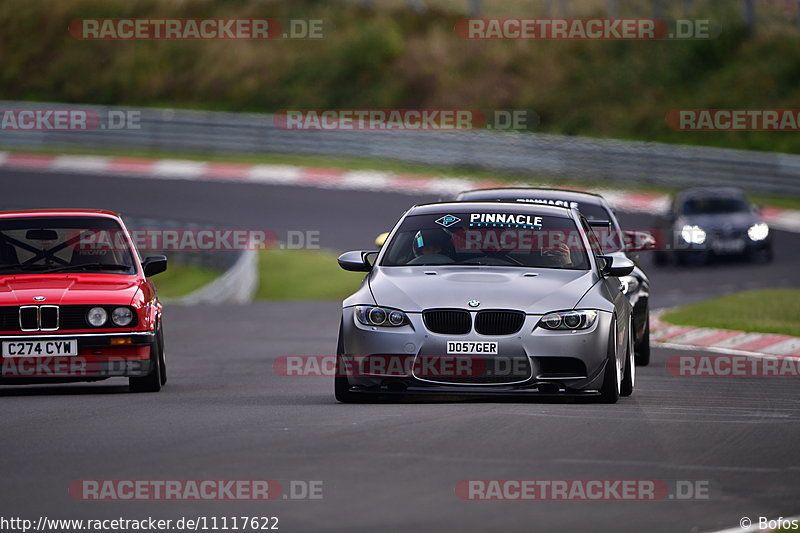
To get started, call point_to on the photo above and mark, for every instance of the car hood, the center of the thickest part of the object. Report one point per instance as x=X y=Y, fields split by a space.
x=735 y=221
x=68 y=289
x=535 y=291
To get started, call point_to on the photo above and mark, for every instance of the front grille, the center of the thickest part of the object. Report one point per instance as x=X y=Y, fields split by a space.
x=48 y=317
x=28 y=318
x=74 y=317
x=499 y=322
x=51 y=318
x=447 y=321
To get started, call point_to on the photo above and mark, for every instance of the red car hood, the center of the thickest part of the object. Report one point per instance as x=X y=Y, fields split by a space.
x=68 y=289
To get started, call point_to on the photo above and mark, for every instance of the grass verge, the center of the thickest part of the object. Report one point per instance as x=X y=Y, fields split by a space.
x=179 y=280
x=761 y=311
x=304 y=275
x=387 y=165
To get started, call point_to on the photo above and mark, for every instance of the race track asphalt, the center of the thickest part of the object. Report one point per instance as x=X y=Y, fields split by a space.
x=226 y=414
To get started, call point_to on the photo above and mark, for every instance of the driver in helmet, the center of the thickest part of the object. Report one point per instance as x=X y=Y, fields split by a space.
x=431 y=246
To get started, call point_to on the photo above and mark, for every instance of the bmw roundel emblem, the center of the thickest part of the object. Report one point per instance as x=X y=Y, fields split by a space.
x=474 y=303
x=39 y=298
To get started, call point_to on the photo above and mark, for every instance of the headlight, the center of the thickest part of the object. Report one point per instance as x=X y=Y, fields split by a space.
x=97 y=316
x=122 y=316
x=380 y=316
x=629 y=284
x=693 y=234
x=569 y=320
x=758 y=232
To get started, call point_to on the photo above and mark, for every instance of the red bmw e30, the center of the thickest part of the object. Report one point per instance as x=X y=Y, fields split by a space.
x=76 y=301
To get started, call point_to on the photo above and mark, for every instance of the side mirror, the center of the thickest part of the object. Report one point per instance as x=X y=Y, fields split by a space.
x=616 y=266
x=155 y=264
x=381 y=239
x=638 y=240
x=358 y=261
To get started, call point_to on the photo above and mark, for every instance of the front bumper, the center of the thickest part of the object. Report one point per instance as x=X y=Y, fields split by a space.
x=553 y=362
x=100 y=356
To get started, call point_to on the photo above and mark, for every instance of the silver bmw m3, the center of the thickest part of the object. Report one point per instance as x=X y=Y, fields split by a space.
x=487 y=298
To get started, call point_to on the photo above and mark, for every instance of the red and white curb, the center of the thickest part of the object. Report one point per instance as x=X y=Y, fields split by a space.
x=329 y=178
x=720 y=340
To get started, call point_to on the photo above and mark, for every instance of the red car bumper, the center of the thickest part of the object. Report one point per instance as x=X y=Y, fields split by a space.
x=99 y=356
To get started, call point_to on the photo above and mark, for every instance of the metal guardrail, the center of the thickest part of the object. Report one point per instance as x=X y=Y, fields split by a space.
x=551 y=156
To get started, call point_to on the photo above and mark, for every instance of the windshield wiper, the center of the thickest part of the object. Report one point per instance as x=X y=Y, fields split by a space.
x=101 y=266
x=21 y=266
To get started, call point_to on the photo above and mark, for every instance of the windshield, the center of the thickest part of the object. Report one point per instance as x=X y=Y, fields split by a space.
x=31 y=245
x=492 y=238
x=713 y=206
x=610 y=238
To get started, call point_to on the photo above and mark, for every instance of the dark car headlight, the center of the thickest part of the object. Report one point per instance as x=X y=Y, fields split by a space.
x=629 y=284
x=569 y=320
x=97 y=316
x=122 y=316
x=380 y=316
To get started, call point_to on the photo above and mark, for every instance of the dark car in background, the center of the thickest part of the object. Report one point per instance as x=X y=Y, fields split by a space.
x=707 y=223
x=615 y=243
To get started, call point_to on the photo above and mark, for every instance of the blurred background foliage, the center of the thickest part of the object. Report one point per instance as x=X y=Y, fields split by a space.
x=397 y=53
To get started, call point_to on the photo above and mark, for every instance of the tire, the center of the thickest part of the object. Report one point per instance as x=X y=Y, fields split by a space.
x=341 y=385
x=609 y=391
x=629 y=377
x=151 y=382
x=161 y=357
x=643 y=349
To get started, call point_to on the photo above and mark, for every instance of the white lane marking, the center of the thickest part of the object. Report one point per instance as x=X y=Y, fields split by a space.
x=81 y=163
x=279 y=174
x=366 y=180
x=715 y=349
x=694 y=335
x=783 y=347
x=738 y=340
x=179 y=168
